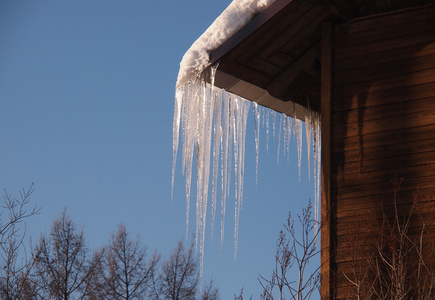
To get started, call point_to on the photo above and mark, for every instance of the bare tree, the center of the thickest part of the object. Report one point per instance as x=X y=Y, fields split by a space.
x=62 y=265
x=210 y=292
x=95 y=284
x=15 y=266
x=179 y=276
x=127 y=273
x=294 y=252
x=15 y=282
x=240 y=296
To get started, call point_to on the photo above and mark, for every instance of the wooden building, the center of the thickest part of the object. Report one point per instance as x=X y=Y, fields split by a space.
x=369 y=67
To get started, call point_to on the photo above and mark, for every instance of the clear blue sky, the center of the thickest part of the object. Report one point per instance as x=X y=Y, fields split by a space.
x=86 y=106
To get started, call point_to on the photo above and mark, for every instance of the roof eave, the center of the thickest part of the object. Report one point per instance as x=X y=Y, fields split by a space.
x=273 y=94
x=256 y=22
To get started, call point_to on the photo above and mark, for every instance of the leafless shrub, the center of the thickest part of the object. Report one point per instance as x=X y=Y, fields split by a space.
x=359 y=275
x=401 y=265
x=295 y=251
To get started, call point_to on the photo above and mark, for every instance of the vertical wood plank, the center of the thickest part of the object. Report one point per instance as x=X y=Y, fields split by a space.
x=326 y=290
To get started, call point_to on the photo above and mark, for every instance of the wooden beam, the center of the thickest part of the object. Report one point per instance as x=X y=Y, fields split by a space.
x=280 y=85
x=326 y=290
x=343 y=8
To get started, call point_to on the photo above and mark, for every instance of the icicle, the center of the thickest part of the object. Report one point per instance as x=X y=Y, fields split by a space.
x=240 y=118
x=217 y=136
x=308 y=126
x=273 y=123
x=256 y=112
x=284 y=136
x=235 y=119
x=190 y=120
x=267 y=130
x=225 y=157
x=317 y=146
x=207 y=139
x=231 y=133
x=298 y=125
x=263 y=110
x=288 y=121
x=289 y=128
x=294 y=122
x=176 y=133
x=319 y=151
x=279 y=137
x=200 y=156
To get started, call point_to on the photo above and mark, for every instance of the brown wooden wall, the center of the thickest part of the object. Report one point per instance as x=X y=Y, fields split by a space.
x=383 y=128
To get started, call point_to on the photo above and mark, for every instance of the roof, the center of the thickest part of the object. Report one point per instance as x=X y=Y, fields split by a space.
x=274 y=59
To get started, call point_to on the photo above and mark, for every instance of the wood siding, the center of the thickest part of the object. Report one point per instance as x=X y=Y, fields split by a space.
x=383 y=129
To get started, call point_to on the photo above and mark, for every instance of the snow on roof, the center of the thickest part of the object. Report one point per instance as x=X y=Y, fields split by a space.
x=232 y=19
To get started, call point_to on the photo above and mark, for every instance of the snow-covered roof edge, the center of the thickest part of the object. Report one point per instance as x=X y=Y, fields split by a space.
x=232 y=19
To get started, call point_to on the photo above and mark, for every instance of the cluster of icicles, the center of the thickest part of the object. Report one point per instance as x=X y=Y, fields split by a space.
x=213 y=121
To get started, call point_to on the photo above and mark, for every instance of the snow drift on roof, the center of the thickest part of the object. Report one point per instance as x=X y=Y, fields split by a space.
x=237 y=15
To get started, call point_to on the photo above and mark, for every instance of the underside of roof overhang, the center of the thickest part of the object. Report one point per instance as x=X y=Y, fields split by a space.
x=274 y=60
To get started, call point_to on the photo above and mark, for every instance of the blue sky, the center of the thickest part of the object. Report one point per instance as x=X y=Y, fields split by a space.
x=86 y=106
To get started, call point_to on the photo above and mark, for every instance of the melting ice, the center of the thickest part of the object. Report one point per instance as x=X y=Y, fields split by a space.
x=213 y=123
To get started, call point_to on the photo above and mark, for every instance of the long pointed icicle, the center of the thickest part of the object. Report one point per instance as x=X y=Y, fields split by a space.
x=317 y=146
x=267 y=130
x=308 y=126
x=217 y=138
x=279 y=137
x=190 y=103
x=208 y=114
x=226 y=157
x=298 y=126
x=176 y=134
x=256 y=112
x=285 y=135
x=241 y=115
x=273 y=113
